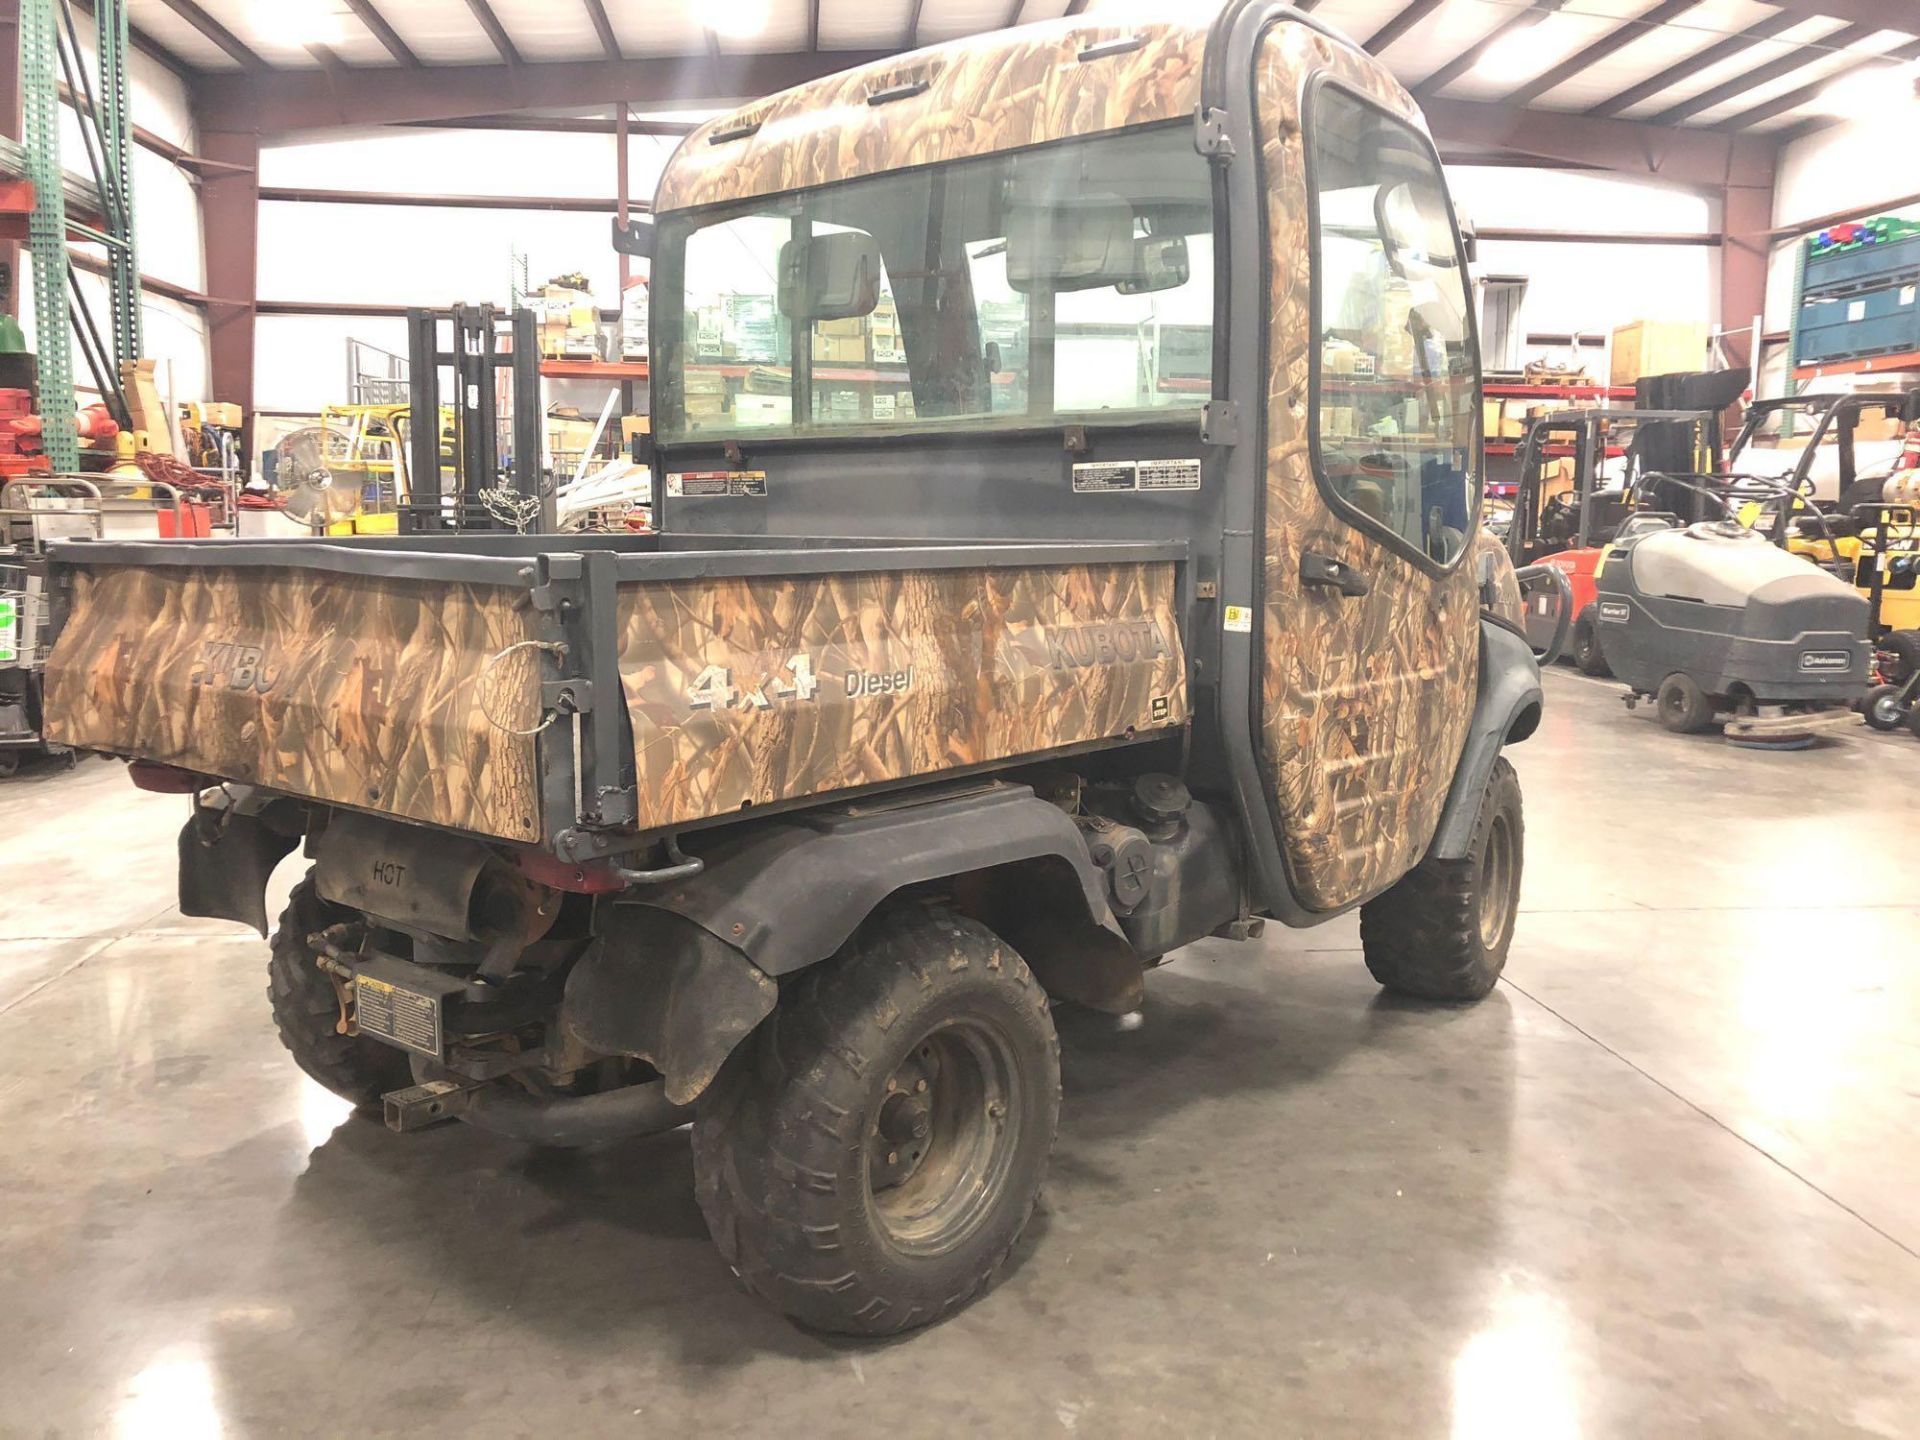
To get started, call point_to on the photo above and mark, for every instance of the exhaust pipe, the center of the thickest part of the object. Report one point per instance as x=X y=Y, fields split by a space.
x=564 y=1121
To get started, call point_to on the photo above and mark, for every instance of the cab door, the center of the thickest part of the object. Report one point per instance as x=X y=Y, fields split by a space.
x=1369 y=634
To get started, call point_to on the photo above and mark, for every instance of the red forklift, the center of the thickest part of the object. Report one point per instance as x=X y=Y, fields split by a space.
x=1583 y=476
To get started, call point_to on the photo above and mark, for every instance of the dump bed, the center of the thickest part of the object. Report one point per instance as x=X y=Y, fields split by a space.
x=571 y=691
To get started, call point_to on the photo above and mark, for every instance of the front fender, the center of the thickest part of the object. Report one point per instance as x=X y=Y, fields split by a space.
x=1505 y=711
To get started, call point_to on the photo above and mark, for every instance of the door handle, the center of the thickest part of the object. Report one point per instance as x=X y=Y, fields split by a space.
x=1336 y=574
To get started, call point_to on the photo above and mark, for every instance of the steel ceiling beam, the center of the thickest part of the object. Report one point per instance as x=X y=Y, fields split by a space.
x=1013 y=14
x=147 y=46
x=1797 y=58
x=1876 y=13
x=280 y=100
x=1618 y=39
x=371 y=17
x=813 y=25
x=912 y=40
x=1794 y=99
x=1702 y=159
x=496 y=32
x=216 y=32
x=1400 y=24
x=1693 y=64
x=1534 y=14
x=603 y=27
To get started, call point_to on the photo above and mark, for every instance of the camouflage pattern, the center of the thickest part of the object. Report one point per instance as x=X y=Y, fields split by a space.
x=1490 y=558
x=995 y=92
x=747 y=691
x=368 y=692
x=1365 y=701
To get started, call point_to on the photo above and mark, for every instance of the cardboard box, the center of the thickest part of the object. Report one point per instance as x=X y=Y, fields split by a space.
x=632 y=425
x=763 y=409
x=839 y=349
x=1657 y=347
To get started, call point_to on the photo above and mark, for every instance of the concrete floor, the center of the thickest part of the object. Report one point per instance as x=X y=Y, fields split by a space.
x=1666 y=1180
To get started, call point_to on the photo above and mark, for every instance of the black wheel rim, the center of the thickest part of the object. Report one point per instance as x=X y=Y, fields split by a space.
x=1496 y=883
x=943 y=1137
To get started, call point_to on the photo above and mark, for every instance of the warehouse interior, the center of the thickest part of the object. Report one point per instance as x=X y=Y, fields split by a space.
x=395 y=397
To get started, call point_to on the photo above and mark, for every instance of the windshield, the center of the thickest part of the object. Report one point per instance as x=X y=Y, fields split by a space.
x=1067 y=282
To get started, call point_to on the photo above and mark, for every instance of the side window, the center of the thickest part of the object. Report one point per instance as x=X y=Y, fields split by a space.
x=1393 y=365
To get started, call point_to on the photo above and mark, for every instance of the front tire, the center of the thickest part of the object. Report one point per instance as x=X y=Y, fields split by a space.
x=1587 y=655
x=306 y=1011
x=1683 y=707
x=1442 y=933
x=867 y=1159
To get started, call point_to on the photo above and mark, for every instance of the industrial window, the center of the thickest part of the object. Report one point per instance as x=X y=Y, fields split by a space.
x=1396 y=423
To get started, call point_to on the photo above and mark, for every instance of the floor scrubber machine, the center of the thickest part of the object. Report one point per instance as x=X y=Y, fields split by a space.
x=1714 y=623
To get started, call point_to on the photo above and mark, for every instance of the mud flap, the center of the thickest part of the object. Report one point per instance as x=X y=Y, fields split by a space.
x=656 y=985
x=226 y=858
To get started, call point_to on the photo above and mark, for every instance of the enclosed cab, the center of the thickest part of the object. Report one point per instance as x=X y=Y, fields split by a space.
x=1067 y=450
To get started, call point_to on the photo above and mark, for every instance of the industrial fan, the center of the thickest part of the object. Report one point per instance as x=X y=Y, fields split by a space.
x=305 y=484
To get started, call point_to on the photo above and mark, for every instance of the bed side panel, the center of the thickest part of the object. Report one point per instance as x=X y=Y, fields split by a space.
x=744 y=692
x=355 y=690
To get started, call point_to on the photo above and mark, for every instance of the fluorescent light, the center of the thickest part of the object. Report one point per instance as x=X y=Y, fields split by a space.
x=1520 y=54
x=1869 y=93
x=296 y=22
x=737 y=19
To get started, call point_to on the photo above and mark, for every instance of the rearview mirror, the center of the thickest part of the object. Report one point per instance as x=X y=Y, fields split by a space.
x=1159 y=263
x=1082 y=244
x=835 y=276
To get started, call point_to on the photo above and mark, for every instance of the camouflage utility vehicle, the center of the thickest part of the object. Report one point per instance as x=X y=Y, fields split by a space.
x=1066 y=447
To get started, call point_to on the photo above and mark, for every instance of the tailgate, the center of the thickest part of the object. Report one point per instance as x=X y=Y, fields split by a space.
x=381 y=693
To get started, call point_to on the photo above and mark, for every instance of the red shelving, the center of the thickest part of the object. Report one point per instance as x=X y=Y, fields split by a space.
x=1557 y=392
x=594 y=369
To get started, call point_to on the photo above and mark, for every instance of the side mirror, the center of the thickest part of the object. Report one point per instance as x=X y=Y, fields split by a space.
x=1159 y=263
x=635 y=237
x=835 y=276
x=1083 y=244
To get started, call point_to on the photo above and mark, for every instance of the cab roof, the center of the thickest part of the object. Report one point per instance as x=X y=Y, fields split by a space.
x=987 y=93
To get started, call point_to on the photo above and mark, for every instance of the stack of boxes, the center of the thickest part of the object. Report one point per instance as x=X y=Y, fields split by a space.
x=633 y=319
x=569 y=324
x=704 y=395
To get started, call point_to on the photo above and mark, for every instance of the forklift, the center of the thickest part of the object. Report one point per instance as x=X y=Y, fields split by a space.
x=1569 y=506
x=1834 y=449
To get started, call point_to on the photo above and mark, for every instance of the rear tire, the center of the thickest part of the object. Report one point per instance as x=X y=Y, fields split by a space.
x=866 y=1160
x=1443 y=932
x=1882 y=708
x=306 y=1011
x=1682 y=705
x=1587 y=656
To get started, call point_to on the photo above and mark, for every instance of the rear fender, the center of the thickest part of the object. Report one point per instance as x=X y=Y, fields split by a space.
x=683 y=977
